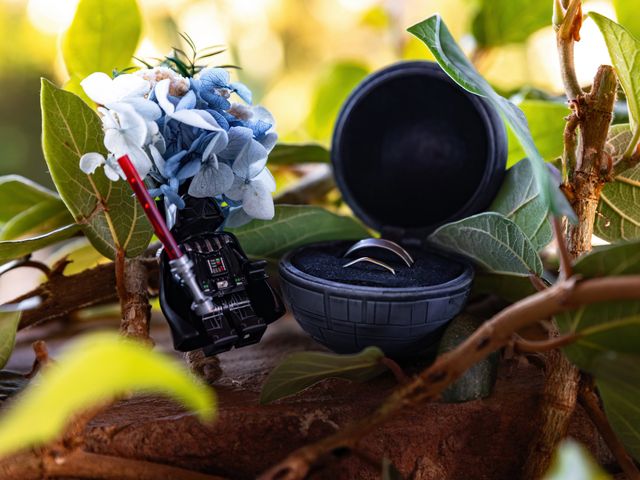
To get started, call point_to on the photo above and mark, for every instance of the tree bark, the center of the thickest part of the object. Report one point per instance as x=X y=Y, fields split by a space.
x=133 y=290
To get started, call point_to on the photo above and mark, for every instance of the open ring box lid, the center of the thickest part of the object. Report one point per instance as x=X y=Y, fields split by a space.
x=411 y=151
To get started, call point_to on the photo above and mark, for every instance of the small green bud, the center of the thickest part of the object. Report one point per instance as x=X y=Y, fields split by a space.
x=558 y=13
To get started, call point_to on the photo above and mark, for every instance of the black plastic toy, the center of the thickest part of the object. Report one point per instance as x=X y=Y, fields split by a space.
x=244 y=302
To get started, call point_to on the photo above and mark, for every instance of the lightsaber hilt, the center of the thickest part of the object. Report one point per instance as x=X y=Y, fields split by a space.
x=181 y=265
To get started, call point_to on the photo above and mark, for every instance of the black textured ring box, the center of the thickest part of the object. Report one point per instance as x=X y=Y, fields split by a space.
x=411 y=151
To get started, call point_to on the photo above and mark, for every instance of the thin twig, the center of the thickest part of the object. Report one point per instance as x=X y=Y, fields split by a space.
x=591 y=404
x=566 y=269
x=490 y=336
x=527 y=346
x=401 y=377
x=566 y=33
x=538 y=283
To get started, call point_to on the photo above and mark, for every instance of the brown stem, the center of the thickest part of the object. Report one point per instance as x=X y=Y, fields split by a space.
x=591 y=404
x=490 y=336
x=566 y=269
x=527 y=346
x=62 y=295
x=81 y=464
x=401 y=377
x=566 y=34
x=133 y=290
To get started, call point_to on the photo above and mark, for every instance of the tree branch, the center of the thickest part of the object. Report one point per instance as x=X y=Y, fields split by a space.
x=566 y=269
x=526 y=346
x=591 y=404
x=492 y=335
x=567 y=32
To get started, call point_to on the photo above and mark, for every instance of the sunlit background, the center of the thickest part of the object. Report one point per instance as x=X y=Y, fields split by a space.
x=299 y=56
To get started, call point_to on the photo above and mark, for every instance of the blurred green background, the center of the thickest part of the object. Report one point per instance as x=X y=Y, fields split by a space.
x=301 y=57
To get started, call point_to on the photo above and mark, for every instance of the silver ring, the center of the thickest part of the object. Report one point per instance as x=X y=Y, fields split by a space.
x=384 y=244
x=370 y=260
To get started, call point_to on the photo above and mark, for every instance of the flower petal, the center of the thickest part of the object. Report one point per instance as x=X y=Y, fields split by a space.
x=237 y=217
x=187 y=102
x=111 y=173
x=99 y=88
x=258 y=202
x=236 y=190
x=250 y=161
x=243 y=92
x=190 y=169
x=162 y=95
x=216 y=145
x=211 y=78
x=238 y=138
x=90 y=161
x=269 y=141
x=198 y=119
x=148 y=109
x=210 y=181
x=266 y=178
x=127 y=86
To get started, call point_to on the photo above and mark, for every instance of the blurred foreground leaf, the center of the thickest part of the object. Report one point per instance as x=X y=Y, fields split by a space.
x=510 y=287
x=293 y=226
x=108 y=213
x=435 y=34
x=18 y=194
x=95 y=369
x=103 y=36
x=42 y=217
x=627 y=15
x=493 y=241
x=573 y=462
x=301 y=370
x=11 y=249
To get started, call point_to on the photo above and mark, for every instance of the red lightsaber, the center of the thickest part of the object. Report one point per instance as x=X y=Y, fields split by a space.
x=180 y=263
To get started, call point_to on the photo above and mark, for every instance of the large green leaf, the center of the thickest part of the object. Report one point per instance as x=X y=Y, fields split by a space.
x=8 y=328
x=292 y=154
x=627 y=14
x=619 y=208
x=107 y=212
x=293 y=226
x=18 y=193
x=519 y=200
x=500 y=22
x=11 y=249
x=609 y=326
x=42 y=217
x=301 y=370
x=332 y=90
x=96 y=368
x=546 y=122
x=572 y=462
x=103 y=36
x=624 y=50
x=493 y=241
x=618 y=380
x=608 y=260
x=507 y=286
x=435 y=34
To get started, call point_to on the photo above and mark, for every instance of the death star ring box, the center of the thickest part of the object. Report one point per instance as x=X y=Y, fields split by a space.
x=411 y=151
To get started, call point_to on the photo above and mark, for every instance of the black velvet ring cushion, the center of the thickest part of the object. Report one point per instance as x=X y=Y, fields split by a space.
x=348 y=309
x=411 y=150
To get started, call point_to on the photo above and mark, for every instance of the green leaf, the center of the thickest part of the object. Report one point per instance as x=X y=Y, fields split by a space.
x=610 y=260
x=572 y=462
x=501 y=22
x=619 y=210
x=627 y=15
x=478 y=381
x=42 y=217
x=293 y=154
x=609 y=326
x=293 y=226
x=18 y=193
x=493 y=241
x=509 y=287
x=301 y=370
x=8 y=327
x=102 y=36
x=107 y=211
x=95 y=369
x=519 y=200
x=11 y=249
x=332 y=90
x=602 y=327
x=624 y=50
x=618 y=378
x=546 y=123
x=435 y=34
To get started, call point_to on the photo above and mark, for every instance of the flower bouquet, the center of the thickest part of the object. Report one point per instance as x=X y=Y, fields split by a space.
x=187 y=135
